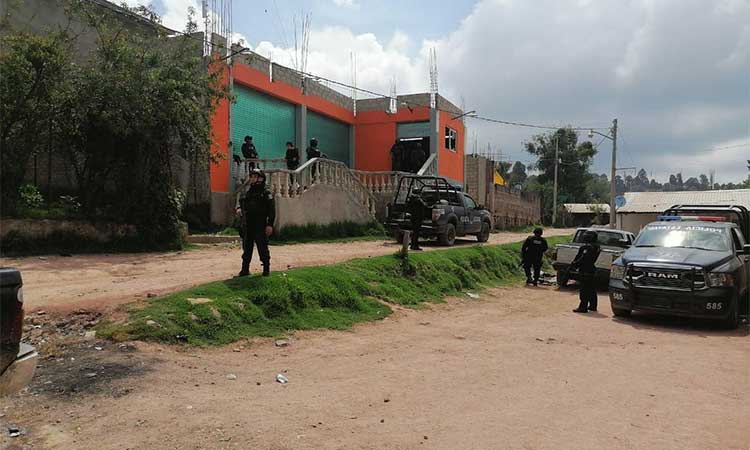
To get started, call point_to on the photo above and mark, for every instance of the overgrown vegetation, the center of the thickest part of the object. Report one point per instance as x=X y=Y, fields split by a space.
x=335 y=296
x=118 y=120
x=339 y=231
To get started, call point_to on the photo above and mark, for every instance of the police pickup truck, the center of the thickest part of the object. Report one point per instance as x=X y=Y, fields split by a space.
x=453 y=213
x=612 y=242
x=17 y=360
x=694 y=262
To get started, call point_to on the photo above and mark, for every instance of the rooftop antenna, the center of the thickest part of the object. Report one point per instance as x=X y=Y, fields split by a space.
x=353 y=57
x=393 y=106
x=206 y=28
x=433 y=78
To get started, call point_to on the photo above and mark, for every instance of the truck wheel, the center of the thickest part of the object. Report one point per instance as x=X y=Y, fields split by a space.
x=484 y=235
x=449 y=237
x=562 y=278
x=733 y=321
x=621 y=312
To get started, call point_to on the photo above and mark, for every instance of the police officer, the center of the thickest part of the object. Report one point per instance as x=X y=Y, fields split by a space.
x=257 y=210
x=532 y=252
x=249 y=151
x=397 y=151
x=585 y=263
x=417 y=210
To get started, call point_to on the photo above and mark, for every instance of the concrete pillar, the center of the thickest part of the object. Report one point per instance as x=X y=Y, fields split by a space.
x=301 y=130
x=435 y=133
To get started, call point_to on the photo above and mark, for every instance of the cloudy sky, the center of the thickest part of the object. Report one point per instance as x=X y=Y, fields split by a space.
x=676 y=73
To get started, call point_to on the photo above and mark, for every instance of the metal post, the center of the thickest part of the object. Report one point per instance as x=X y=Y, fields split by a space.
x=612 y=190
x=554 y=195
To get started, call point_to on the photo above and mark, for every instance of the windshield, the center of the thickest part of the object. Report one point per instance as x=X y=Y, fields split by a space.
x=702 y=237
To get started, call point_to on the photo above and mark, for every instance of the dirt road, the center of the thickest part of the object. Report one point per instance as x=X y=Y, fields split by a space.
x=512 y=370
x=98 y=281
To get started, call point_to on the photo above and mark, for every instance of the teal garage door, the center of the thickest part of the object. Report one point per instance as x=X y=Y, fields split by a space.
x=270 y=121
x=332 y=135
x=413 y=130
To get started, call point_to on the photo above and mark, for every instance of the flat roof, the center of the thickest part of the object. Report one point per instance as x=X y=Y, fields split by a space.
x=658 y=202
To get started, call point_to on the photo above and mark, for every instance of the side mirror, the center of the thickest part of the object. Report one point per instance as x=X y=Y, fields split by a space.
x=624 y=242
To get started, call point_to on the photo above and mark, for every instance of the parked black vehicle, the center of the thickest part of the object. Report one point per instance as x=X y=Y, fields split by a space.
x=17 y=360
x=453 y=212
x=693 y=262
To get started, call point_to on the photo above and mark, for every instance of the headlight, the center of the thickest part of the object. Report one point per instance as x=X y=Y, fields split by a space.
x=720 y=279
x=617 y=272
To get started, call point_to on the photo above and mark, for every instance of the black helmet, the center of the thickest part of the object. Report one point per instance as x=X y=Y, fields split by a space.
x=538 y=231
x=313 y=142
x=590 y=237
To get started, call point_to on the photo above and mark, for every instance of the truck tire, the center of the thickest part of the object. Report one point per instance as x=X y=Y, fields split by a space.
x=562 y=278
x=449 y=237
x=621 y=312
x=484 y=234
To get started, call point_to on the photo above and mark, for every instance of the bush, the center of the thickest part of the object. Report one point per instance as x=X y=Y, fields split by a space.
x=30 y=196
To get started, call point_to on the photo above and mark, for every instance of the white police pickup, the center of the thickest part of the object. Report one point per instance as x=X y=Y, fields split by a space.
x=612 y=242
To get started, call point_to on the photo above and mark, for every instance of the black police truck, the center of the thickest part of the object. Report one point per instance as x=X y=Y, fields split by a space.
x=453 y=213
x=693 y=262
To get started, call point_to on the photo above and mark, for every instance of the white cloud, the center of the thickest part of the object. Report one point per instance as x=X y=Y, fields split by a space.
x=344 y=3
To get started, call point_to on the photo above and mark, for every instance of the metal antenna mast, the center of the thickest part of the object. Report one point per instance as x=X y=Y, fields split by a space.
x=433 y=78
x=353 y=57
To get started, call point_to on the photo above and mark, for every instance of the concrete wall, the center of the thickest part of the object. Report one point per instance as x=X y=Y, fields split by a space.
x=322 y=205
x=514 y=210
x=633 y=222
x=41 y=229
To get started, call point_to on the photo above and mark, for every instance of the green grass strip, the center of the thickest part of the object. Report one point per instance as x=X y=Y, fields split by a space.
x=335 y=296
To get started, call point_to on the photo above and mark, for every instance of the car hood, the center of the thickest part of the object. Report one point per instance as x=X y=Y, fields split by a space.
x=682 y=256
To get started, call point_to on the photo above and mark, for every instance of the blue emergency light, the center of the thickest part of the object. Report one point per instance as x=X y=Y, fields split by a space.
x=696 y=218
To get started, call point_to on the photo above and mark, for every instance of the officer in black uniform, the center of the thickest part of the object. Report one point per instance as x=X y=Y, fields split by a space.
x=531 y=255
x=585 y=263
x=249 y=151
x=257 y=209
x=417 y=209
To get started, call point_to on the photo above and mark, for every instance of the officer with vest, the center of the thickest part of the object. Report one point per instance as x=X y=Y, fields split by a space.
x=257 y=210
x=585 y=263
x=532 y=253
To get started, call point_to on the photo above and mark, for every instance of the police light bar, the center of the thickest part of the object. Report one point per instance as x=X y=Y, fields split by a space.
x=696 y=218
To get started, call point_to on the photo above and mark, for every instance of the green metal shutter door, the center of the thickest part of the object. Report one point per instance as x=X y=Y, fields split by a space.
x=270 y=121
x=413 y=130
x=332 y=135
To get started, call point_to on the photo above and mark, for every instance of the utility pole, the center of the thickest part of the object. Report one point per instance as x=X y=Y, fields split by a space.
x=612 y=190
x=554 y=195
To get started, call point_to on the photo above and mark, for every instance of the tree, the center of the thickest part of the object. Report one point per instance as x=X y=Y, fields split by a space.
x=573 y=169
x=598 y=187
x=692 y=184
x=518 y=173
x=120 y=119
x=705 y=184
x=34 y=69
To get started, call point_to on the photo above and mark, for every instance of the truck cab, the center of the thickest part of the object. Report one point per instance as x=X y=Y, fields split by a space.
x=452 y=212
x=693 y=262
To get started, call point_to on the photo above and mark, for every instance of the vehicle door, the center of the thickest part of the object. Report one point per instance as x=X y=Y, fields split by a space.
x=473 y=215
x=739 y=248
x=457 y=207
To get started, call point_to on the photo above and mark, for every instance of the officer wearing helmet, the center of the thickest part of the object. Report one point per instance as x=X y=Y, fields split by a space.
x=585 y=263
x=532 y=252
x=257 y=211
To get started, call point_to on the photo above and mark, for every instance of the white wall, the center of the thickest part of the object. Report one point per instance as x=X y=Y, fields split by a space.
x=633 y=222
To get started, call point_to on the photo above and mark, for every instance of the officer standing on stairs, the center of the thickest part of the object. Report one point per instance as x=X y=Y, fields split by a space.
x=532 y=253
x=257 y=210
x=585 y=263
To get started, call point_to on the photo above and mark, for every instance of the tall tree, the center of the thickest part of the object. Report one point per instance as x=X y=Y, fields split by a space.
x=518 y=173
x=573 y=169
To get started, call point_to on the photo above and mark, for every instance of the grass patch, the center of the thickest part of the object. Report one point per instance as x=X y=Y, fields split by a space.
x=339 y=231
x=335 y=296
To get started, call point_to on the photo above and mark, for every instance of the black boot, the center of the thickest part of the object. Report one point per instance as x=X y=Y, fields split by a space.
x=266 y=270
x=245 y=271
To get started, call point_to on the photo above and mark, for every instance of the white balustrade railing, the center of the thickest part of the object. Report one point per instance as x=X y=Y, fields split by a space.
x=430 y=167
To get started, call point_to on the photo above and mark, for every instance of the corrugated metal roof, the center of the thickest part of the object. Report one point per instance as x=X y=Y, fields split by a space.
x=656 y=202
x=585 y=208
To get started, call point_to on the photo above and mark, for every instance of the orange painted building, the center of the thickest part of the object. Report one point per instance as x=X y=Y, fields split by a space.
x=273 y=104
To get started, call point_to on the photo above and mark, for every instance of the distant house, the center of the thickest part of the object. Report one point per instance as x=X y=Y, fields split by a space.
x=643 y=207
x=585 y=214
